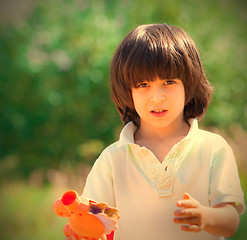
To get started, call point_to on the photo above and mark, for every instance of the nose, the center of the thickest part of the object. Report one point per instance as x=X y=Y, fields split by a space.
x=158 y=95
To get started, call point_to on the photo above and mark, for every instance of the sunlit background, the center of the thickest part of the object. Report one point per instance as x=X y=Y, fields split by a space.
x=56 y=114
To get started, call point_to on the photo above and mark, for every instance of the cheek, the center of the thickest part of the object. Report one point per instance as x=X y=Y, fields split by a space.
x=135 y=98
x=182 y=95
x=138 y=103
x=178 y=99
x=184 y=98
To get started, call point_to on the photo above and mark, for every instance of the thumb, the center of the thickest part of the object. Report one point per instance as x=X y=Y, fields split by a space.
x=103 y=237
x=187 y=196
x=70 y=238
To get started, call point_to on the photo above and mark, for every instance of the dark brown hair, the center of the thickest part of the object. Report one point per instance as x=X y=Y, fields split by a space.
x=158 y=50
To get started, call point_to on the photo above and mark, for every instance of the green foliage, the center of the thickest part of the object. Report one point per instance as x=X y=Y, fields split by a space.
x=55 y=56
x=27 y=213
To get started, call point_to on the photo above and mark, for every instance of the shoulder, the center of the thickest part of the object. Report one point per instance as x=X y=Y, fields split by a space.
x=112 y=149
x=204 y=137
x=213 y=143
x=210 y=138
x=120 y=146
x=111 y=153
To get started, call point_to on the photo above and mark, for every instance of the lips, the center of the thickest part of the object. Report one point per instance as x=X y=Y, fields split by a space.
x=158 y=113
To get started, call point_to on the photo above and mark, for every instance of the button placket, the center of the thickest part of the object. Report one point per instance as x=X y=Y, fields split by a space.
x=166 y=179
x=165 y=185
x=153 y=170
x=161 y=176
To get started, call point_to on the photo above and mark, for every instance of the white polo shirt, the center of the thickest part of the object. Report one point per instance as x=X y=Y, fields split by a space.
x=145 y=191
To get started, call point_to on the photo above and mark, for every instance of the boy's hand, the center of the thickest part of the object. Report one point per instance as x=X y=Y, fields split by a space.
x=192 y=214
x=220 y=220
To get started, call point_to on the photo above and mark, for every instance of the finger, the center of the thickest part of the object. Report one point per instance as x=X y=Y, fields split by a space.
x=186 y=199
x=104 y=237
x=188 y=203
x=189 y=220
x=187 y=212
x=191 y=228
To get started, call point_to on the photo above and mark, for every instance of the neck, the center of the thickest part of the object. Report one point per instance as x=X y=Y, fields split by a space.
x=162 y=134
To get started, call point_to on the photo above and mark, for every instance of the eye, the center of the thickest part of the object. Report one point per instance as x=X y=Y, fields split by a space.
x=169 y=82
x=142 y=85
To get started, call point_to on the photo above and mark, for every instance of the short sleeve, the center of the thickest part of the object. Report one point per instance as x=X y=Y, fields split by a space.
x=99 y=184
x=224 y=180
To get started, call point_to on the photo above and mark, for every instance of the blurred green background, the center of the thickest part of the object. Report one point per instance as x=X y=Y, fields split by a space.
x=56 y=114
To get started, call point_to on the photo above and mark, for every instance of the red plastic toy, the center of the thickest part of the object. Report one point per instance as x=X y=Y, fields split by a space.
x=87 y=219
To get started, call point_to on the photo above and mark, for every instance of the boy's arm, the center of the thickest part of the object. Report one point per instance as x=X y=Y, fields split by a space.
x=222 y=220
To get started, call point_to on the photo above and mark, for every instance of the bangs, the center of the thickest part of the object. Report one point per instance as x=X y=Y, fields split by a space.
x=152 y=55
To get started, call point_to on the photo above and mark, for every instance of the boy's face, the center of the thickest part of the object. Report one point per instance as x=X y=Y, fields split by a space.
x=160 y=104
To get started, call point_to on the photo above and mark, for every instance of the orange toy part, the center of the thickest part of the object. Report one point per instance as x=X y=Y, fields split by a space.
x=82 y=223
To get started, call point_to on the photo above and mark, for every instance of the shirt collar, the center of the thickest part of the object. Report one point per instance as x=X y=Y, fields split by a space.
x=193 y=126
x=127 y=134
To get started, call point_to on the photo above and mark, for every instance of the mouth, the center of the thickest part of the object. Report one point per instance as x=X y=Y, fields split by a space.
x=159 y=113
